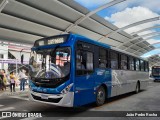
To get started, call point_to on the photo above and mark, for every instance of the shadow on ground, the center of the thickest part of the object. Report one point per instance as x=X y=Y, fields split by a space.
x=82 y=111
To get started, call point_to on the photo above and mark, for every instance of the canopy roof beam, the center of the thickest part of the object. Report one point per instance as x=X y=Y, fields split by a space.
x=135 y=38
x=81 y=19
x=141 y=42
x=154 y=59
x=3 y=3
x=145 y=47
x=129 y=26
x=146 y=29
x=156 y=63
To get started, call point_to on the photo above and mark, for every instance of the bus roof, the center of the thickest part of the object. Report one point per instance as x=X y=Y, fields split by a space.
x=70 y=35
x=105 y=45
x=85 y=39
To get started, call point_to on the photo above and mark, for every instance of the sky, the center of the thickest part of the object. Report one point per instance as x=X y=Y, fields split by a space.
x=128 y=12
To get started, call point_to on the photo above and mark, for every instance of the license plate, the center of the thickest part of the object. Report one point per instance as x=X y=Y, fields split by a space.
x=44 y=96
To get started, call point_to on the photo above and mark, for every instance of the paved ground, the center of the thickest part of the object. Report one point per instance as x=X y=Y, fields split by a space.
x=147 y=100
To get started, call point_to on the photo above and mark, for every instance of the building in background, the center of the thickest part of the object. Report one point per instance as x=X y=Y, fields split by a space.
x=10 y=56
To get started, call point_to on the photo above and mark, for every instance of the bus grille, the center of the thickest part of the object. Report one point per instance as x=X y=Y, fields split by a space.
x=40 y=82
x=53 y=100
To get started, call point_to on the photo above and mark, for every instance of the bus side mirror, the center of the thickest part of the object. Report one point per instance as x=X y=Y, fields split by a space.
x=22 y=57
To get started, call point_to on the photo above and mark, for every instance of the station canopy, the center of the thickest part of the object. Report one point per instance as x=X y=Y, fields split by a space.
x=24 y=21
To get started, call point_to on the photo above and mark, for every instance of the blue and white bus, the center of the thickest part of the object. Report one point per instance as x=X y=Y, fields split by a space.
x=71 y=70
x=155 y=73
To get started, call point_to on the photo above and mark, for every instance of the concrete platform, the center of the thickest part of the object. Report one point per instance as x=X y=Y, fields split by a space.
x=145 y=101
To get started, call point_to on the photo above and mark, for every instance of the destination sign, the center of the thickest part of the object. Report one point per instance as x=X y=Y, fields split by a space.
x=51 y=40
x=56 y=40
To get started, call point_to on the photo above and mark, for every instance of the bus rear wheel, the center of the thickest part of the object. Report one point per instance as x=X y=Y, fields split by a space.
x=137 y=88
x=100 y=96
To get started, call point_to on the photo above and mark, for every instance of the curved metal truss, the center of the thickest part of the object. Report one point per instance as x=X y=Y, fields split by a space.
x=143 y=41
x=146 y=47
x=156 y=63
x=146 y=29
x=129 y=26
x=154 y=59
x=135 y=38
x=35 y=19
x=80 y=20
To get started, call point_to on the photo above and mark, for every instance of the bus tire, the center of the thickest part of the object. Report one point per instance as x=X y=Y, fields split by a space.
x=137 y=88
x=100 y=96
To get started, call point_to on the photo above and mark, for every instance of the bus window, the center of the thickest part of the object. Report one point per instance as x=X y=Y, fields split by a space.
x=114 y=60
x=84 y=62
x=142 y=65
x=124 y=62
x=131 y=63
x=137 y=65
x=146 y=66
x=102 y=58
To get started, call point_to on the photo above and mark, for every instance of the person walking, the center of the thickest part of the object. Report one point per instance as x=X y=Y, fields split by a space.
x=1 y=81
x=4 y=78
x=12 y=81
x=22 y=78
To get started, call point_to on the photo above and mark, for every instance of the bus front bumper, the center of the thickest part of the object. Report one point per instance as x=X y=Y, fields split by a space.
x=65 y=100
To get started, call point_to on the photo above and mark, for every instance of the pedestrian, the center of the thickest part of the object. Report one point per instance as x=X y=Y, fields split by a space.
x=22 y=78
x=4 y=78
x=12 y=81
x=0 y=84
x=1 y=81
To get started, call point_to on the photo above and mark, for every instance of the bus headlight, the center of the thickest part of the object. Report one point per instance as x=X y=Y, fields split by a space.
x=66 y=89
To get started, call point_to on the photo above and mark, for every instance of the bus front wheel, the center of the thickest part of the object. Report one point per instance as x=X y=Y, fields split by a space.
x=100 y=96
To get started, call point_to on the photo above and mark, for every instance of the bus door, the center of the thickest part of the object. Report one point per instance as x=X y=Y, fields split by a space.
x=84 y=79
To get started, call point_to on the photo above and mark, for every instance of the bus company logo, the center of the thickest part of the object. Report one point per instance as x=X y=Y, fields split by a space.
x=116 y=80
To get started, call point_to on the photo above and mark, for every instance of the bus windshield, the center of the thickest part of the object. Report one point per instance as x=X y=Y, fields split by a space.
x=50 y=63
x=156 y=71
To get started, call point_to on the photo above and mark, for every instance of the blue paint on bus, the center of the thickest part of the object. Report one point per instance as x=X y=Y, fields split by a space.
x=84 y=86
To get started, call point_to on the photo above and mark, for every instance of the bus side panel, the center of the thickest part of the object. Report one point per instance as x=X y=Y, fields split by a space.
x=103 y=76
x=125 y=81
x=84 y=90
x=87 y=86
